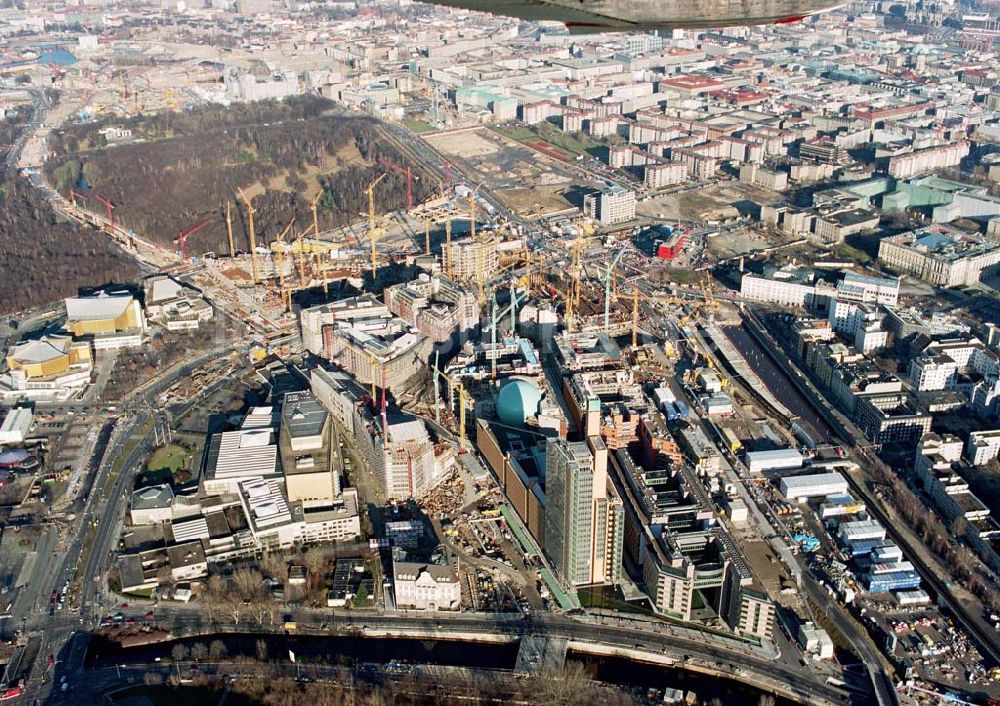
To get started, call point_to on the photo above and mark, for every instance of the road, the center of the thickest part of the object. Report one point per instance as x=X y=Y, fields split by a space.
x=885 y=690
x=103 y=515
x=930 y=567
x=183 y=618
x=40 y=105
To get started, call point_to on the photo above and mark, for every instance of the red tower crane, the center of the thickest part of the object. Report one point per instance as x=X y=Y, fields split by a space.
x=182 y=238
x=73 y=196
x=111 y=212
x=409 y=179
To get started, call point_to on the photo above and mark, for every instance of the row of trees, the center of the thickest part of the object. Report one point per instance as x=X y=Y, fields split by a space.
x=963 y=561
x=566 y=686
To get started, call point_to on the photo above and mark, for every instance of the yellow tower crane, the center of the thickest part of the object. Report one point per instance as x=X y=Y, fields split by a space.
x=253 y=237
x=472 y=213
x=527 y=275
x=635 y=317
x=279 y=257
x=229 y=228
x=314 y=206
x=300 y=258
x=375 y=371
x=462 y=400
x=573 y=293
x=371 y=222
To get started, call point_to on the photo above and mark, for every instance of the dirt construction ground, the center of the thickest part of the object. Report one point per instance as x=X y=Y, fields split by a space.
x=506 y=167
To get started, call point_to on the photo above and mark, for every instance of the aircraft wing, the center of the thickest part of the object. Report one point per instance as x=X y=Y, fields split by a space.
x=587 y=16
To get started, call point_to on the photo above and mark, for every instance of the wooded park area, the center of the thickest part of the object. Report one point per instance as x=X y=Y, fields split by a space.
x=178 y=169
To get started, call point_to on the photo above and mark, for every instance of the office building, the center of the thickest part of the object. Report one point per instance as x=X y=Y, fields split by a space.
x=983 y=447
x=313 y=319
x=435 y=306
x=410 y=468
x=583 y=514
x=941 y=257
x=470 y=261
x=891 y=416
x=306 y=457
x=385 y=350
x=864 y=289
x=173 y=305
x=611 y=206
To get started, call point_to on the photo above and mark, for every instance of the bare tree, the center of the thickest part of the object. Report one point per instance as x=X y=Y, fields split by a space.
x=562 y=687
x=217 y=650
x=248 y=583
x=180 y=652
x=275 y=566
x=199 y=651
x=261 y=648
x=315 y=561
x=766 y=700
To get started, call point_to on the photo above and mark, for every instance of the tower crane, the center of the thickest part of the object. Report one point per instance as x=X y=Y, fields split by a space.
x=472 y=212
x=111 y=213
x=573 y=293
x=229 y=228
x=279 y=256
x=497 y=314
x=313 y=207
x=73 y=196
x=371 y=222
x=634 y=297
x=462 y=401
x=608 y=276
x=438 y=373
x=253 y=237
x=447 y=247
x=408 y=173
x=183 y=236
x=299 y=253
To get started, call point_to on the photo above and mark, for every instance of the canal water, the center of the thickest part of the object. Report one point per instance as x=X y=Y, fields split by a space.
x=337 y=650
x=778 y=382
